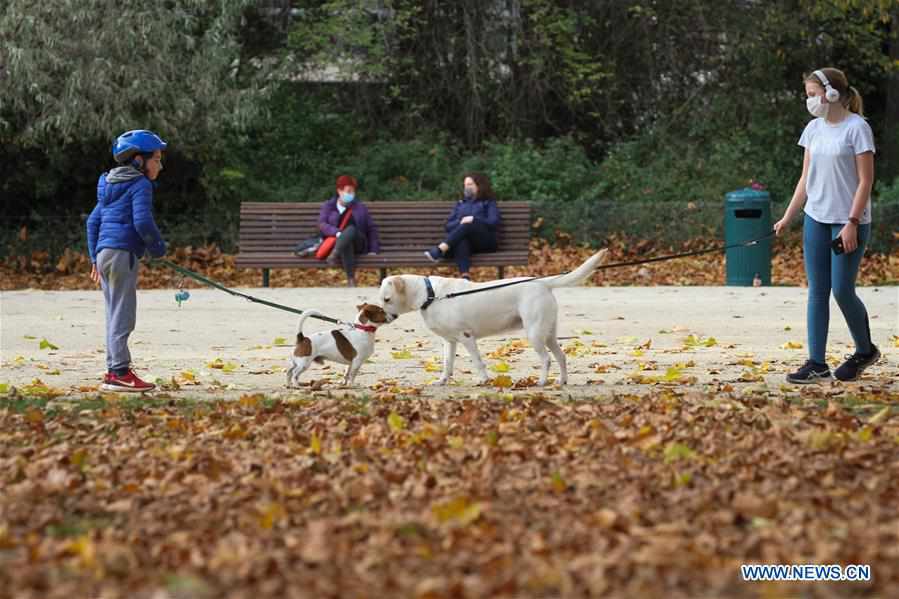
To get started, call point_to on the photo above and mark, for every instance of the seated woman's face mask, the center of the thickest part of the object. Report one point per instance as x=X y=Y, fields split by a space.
x=347 y=197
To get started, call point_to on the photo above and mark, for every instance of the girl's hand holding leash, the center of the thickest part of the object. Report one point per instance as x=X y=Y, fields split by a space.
x=781 y=225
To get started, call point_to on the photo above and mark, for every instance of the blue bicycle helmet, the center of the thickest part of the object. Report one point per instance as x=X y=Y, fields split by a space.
x=138 y=141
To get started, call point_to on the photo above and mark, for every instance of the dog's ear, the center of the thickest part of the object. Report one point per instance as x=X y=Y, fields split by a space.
x=400 y=285
x=360 y=307
x=363 y=316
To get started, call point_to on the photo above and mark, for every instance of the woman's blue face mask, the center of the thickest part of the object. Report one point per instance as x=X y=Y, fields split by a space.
x=348 y=198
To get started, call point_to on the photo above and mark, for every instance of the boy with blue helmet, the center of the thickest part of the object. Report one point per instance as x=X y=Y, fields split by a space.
x=120 y=230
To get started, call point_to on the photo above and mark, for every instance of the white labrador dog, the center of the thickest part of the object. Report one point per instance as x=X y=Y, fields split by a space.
x=530 y=306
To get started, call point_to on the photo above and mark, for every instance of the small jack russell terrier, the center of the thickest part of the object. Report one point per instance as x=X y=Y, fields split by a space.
x=350 y=346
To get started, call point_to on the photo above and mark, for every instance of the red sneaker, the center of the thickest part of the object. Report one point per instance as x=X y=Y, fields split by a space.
x=128 y=382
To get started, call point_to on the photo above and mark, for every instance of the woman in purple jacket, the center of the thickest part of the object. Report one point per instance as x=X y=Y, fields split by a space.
x=473 y=225
x=360 y=234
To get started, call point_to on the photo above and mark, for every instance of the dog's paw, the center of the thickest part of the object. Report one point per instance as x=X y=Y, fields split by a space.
x=441 y=381
x=483 y=380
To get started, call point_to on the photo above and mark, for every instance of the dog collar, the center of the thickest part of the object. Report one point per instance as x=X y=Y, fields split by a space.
x=366 y=327
x=431 y=296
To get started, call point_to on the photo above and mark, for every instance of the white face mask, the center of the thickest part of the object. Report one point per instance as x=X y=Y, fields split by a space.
x=816 y=106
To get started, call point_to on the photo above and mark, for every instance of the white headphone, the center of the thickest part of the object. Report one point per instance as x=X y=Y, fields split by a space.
x=830 y=93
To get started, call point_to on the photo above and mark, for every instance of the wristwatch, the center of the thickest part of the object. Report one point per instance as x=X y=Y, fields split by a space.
x=853 y=220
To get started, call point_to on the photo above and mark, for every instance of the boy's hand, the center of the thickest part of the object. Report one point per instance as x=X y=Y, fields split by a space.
x=95 y=274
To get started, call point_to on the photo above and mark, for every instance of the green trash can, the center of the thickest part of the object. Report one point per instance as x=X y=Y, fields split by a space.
x=747 y=216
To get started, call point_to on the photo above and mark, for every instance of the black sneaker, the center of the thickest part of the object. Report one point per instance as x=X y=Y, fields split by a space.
x=811 y=372
x=855 y=365
x=434 y=254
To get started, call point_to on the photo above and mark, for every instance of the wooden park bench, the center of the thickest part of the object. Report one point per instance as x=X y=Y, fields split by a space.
x=269 y=232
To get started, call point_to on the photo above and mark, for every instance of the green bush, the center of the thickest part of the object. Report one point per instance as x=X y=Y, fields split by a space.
x=290 y=155
x=424 y=168
x=702 y=165
x=558 y=171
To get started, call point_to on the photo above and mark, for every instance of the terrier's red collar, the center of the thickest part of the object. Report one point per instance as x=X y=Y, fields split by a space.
x=366 y=327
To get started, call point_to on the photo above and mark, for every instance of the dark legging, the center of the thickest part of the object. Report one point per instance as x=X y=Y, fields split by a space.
x=470 y=238
x=828 y=272
x=347 y=246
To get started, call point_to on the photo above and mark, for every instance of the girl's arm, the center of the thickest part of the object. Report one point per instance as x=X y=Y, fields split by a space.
x=864 y=164
x=799 y=197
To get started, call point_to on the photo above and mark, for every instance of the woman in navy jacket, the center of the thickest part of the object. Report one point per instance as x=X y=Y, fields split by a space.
x=473 y=225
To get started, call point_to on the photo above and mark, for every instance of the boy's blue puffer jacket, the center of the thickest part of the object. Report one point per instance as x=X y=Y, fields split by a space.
x=123 y=216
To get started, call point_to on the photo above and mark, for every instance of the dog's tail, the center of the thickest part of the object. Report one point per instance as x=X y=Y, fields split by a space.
x=581 y=273
x=306 y=314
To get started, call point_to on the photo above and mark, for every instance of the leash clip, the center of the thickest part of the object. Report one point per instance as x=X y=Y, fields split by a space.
x=182 y=295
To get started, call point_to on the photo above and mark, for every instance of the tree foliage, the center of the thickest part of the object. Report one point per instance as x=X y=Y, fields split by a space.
x=77 y=70
x=563 y=103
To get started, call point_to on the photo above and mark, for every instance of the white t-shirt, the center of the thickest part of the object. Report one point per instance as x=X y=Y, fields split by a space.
x=832 y=174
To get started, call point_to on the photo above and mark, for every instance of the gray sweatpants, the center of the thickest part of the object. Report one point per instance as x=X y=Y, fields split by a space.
x=118 y=278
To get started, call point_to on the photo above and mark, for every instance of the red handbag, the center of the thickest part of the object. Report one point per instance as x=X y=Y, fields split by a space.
x=327 y=243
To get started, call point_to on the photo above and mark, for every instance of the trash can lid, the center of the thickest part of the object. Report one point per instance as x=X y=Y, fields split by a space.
x=747 y=194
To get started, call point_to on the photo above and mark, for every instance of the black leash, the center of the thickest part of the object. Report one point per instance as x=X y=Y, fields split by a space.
x=693 y=253
x=432 y=298
x=198 y=277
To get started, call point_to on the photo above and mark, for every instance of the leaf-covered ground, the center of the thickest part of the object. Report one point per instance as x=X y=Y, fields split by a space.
x=679 y=459
x=490 y=496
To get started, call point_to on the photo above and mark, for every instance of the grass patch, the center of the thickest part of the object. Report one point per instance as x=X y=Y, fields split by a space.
x=21 y=404
x=128 y=403
x=74 y=525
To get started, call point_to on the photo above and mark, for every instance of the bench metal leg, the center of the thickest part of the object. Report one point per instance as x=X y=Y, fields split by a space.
x=500 y=271
x=383 y=273
x=265 y=277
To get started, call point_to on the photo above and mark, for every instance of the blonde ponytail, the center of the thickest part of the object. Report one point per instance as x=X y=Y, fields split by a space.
x=854 y=103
